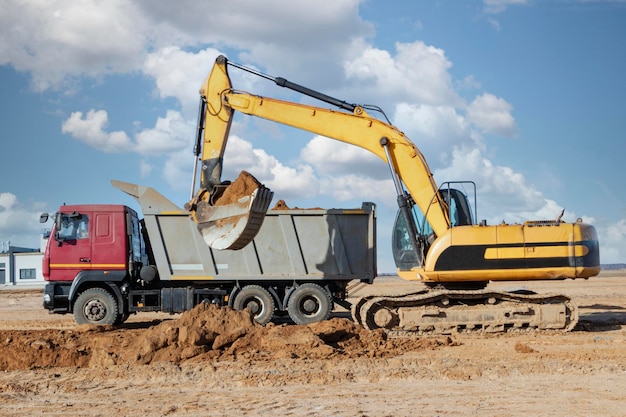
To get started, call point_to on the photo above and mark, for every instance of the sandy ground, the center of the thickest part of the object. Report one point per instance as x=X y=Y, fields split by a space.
x=216 y=362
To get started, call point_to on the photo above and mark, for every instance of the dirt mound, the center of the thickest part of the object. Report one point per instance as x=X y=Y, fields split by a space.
x=206 y=333
x=280 y=205
x=244 y=185
x=24 y=349
x=205 y=328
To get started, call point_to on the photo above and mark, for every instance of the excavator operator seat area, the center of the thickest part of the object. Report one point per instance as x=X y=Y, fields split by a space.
x=460 y=212
x=459 y=207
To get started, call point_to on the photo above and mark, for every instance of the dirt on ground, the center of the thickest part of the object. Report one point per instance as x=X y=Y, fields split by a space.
x=215 y=361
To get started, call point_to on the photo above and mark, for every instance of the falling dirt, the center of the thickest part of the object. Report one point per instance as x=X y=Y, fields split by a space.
x=244 y=185
x=215 y=361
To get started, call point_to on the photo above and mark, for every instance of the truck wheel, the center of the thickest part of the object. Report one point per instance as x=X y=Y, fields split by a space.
x=96 y=306
x=309 y=303
x=122 y=318
x=258 y=300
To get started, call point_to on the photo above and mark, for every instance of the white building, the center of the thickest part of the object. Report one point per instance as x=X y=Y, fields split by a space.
x=21 y=266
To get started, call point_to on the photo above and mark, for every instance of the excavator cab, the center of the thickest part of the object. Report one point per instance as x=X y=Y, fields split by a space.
x=405 y=254
x=459 y=206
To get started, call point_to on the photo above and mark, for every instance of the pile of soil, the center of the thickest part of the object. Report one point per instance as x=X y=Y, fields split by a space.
x=359 y=373
x=244 y=185
x=206 y=333
x=280 y=205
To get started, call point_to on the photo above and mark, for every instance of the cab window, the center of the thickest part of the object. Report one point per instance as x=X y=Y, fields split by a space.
x=73 y=227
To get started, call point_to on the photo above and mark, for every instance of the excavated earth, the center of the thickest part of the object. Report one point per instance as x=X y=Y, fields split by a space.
x=215 y=361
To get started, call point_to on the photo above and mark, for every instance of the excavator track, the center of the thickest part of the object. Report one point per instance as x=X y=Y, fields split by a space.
x=445 y=312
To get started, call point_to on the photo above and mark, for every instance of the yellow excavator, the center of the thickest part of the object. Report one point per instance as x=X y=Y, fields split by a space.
x=435 y=239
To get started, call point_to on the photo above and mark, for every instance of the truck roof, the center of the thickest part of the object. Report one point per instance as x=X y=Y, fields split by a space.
x=93 y=207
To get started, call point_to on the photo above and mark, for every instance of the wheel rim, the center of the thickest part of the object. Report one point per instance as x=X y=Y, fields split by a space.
x=310 y=306
x=257 y=300
x=254 y=305
x=95 y=310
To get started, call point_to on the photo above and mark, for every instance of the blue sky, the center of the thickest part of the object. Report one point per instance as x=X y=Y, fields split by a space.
x=526 y=98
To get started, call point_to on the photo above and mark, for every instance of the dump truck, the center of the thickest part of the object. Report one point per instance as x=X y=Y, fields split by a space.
x=103 y=262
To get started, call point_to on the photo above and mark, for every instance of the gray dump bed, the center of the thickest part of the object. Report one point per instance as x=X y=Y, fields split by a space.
x=333 y=244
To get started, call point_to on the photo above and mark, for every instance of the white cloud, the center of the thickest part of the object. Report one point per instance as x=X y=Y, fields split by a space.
x=7 y=201
x=170 y=133
x=498 y=6
x=331 y=157
x=290 y=182
x=179 y=74
x=89 y=128
x=503 y=193
x=359 y=188
x=145 y=168
x=469 y=83
x=348 y=172
x=417 y=74
x=492 y=114
x=177 y=170
x=612 y=242
x=19 y=222
x=285 y=181
x=57 y=40
x=287 y=36
x=435 y=130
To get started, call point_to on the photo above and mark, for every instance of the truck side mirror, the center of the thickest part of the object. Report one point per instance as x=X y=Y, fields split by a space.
x=44 y=217
x=57 y=224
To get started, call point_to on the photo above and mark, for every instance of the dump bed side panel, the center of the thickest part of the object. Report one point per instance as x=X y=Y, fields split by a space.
x=311 y=243
x=329 y=244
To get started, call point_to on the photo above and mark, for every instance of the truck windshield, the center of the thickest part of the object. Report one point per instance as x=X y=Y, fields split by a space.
x=73 y=227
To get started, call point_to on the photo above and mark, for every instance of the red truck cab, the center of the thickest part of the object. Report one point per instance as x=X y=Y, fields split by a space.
x=90 y=244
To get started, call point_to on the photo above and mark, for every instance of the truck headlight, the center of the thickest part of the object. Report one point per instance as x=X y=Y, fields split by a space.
x=47 y=298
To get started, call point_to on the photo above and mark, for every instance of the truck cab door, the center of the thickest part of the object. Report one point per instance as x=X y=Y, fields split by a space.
x=70 y=246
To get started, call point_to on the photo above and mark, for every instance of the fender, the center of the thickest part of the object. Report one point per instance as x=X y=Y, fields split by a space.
x=107 y=279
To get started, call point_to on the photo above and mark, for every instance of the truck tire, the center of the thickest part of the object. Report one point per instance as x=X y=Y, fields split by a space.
x=309 y=303
x=258 y=300
x=96 y=306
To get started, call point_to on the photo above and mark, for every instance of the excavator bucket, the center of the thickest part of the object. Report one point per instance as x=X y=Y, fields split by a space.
x=233 y=225
x=232 y=215
x=230 y=223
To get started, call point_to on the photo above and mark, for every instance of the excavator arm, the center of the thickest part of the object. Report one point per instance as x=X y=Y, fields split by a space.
x=352 y=124
x=228 y=215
